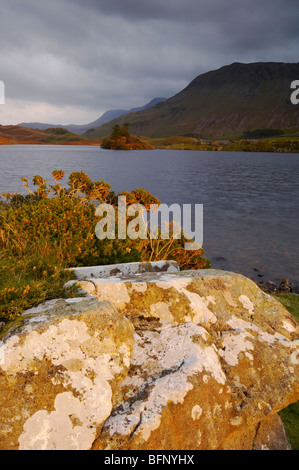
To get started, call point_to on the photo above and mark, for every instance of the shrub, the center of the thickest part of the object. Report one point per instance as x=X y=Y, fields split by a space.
x=121 y=139
x=53 y=228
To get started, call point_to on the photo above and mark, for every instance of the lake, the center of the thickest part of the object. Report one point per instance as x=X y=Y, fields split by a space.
x=250 y=200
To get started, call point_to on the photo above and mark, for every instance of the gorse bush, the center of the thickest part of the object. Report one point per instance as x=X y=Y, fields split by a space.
x=53 y=228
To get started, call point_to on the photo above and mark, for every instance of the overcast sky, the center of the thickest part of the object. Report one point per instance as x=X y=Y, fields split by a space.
x=68 y=61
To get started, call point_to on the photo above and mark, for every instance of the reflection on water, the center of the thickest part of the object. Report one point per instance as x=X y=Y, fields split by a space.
x=251 y=200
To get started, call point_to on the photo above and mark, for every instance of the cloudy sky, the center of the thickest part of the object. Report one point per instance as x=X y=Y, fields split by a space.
x=68 y=61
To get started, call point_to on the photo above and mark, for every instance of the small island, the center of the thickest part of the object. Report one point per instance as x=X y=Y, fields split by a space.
x=121 y=139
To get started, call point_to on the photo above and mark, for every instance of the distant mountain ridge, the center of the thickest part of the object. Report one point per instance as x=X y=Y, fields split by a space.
x=228 y=101
x=106 y=117
x=11 y=135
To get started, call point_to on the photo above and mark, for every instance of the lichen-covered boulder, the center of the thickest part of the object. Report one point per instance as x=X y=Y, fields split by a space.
x=59 y=373
x=151 y=360
x=215 y=359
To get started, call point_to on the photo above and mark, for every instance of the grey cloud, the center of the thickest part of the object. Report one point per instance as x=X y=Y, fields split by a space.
x=216 y=11
x=121 y=53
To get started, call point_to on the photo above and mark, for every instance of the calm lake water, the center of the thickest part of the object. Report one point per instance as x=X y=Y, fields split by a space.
x=250 y=200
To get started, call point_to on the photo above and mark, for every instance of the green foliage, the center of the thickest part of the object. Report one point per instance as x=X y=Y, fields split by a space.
x=53 y=228
x=176 y=143
x=56 y=130
x=291 y=303
x=290 y=418
x=120 y=131
x=277 y=144
x=60 y=135
x=290 y=415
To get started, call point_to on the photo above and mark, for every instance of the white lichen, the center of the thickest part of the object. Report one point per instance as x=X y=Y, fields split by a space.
x=198 y=305
x=139 y=286
x=196 y=412
x=178 y=358
x=112 y=291
x=233 y=344
x=246 y=302
x=68 y=344
x=161 y=310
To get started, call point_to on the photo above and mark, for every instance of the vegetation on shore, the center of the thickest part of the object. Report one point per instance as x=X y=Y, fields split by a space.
x=290 y=415
x=53 y=228
x=60 y=136
x=12 y=135
x=258 y=140
x=121 y=139
x=291 y=303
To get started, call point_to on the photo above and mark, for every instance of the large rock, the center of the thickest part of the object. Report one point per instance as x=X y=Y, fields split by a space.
x=152 y=360
x=59 y=374
x=215 y=359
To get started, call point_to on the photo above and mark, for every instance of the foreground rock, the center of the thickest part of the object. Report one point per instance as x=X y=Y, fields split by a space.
x=214 y=359
x=59 y=374
x=152 y=360
x=284 y=287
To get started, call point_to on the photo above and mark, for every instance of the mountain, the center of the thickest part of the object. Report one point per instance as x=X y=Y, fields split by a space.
x=76 y=128
x=152 y=103
x=80 y=129
x=228 y=101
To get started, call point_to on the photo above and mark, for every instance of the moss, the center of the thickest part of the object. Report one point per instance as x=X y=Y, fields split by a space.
x=290 y=415
x=290 y=302
x=14 y=325
x=290 y=418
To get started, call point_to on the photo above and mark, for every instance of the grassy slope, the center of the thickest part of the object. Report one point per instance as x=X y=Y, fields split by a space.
x=290 y=415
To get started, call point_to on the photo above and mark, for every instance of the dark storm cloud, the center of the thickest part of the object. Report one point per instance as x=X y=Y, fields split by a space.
x=81 y=58
x=191 y=10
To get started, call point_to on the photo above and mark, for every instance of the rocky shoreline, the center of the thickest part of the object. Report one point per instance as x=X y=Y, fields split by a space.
x=262 y=276
x=284 y=287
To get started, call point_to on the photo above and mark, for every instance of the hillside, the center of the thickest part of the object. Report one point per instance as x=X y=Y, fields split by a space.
x=10 y=135
x=224 y=102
